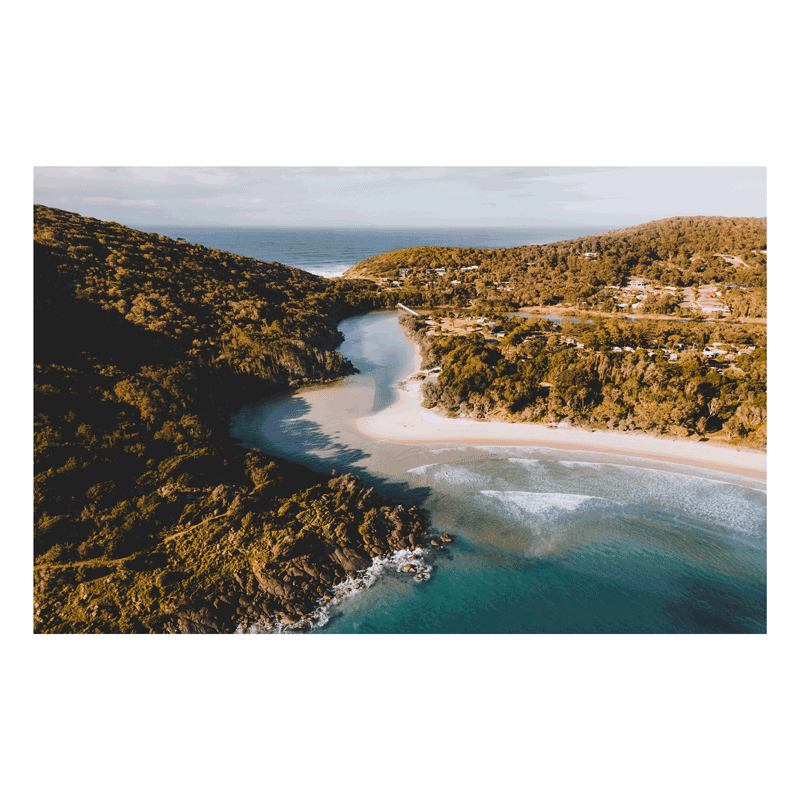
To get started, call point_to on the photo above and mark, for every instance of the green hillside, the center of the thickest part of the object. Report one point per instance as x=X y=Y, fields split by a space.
x=147 y=517
x=680 y=252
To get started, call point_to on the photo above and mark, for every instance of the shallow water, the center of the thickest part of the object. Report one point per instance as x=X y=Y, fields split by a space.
x=548 y=541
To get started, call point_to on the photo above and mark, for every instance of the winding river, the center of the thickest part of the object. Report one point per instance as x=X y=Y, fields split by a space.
x=547 y=540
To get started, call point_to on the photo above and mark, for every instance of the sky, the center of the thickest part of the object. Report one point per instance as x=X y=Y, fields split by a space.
x=401 y=196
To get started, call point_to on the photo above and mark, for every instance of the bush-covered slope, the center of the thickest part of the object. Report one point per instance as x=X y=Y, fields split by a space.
x=607 y=374
x=681 y=251
x=146 y=516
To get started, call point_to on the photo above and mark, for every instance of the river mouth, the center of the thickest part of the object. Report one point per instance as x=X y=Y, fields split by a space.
x=547 y=541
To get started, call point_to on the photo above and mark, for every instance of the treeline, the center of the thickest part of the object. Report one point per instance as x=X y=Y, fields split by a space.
x=535 y=374
x=680 y=252
x=143 y=348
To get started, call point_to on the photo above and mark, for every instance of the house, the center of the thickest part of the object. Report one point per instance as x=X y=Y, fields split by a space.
x=713 y=306
x=637 y=283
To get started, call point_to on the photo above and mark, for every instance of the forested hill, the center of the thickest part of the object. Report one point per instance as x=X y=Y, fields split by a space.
x=680 y=251
x=147 y=517
x=675 y=238
x=267 y=320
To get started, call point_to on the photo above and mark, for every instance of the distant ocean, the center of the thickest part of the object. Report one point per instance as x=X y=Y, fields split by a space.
x=329 y=251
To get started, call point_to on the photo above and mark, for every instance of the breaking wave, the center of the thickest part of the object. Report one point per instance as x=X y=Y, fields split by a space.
x=403 y=561
x=544 y=504
x=656 y=472
x=737 y=506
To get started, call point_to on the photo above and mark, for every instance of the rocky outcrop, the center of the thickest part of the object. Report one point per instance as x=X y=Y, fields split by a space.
x=350 y=560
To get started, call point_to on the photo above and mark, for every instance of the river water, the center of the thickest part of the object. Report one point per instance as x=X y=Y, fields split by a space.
x=547 y=541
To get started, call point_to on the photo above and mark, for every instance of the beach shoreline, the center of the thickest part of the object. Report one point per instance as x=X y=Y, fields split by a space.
x=407 y=422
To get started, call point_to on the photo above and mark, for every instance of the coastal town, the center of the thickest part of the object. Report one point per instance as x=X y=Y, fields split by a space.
x=511 y=330
x=636 y=297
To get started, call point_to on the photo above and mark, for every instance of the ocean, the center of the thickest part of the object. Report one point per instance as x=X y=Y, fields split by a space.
x=547 y=541
x=329 y=251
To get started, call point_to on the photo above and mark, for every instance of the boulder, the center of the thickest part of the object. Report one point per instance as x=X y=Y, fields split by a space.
x=270 y=584
x=350 y=560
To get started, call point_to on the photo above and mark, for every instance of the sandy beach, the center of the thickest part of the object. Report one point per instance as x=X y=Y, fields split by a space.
x=407 y=422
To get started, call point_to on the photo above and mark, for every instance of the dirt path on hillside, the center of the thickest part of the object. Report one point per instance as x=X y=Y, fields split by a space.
x=572 y=312
x=102 y=562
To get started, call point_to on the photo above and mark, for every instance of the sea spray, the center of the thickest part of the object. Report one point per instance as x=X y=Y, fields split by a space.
x=400 y=560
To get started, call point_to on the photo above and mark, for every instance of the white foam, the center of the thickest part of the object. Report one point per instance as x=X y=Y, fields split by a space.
x=543 y=503
x=659 y=472
x=451 y=474
x=438 y=450
x=422 y=470
x=347 y=588
x=527 y=462
x=702 y=498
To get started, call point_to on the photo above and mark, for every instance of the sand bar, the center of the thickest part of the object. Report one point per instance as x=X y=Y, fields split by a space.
x=406 y=422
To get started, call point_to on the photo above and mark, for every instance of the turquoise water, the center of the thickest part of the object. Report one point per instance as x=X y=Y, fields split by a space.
x=547 y=541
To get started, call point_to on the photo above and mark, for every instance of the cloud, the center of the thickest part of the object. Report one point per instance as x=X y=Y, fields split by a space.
x=202 y=175
x=395 y=195
x=116 y=201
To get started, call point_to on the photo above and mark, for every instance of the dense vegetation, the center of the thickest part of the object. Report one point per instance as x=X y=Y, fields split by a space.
x=581 y=374
x=680 y=252
x=146 y=516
